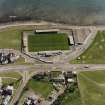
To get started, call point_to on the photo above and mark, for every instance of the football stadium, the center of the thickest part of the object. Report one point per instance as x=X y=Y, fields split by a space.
x=48 y=42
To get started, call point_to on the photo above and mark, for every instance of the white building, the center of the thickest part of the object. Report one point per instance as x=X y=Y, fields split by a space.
x=71 y=40
x=7 y=97
x=6 y=100
x=70 y=80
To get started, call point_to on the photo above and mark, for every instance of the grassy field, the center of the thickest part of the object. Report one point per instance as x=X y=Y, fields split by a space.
x=95 y=54
x=72 y=98
x=48 y=42
x=10 y=77
x=21 y=60
x=92 y=87
x=11 y=37
x=10 y=74
x=40 y=87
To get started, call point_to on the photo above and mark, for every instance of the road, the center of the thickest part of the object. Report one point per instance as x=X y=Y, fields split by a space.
x=25 y=79
x=63 y=66
x=26 y=75
x=43 y=68
x=47 y=24
x=50 y=67
x=82 y=48
x=64 y=58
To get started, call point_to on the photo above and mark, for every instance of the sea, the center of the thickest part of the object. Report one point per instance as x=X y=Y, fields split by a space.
x=82 y=12
x=76 y=12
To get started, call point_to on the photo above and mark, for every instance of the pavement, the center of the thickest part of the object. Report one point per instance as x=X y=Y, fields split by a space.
x=66 y=59
x=63 y=58
x=50 y=67
x=63 y=65
x=20 y=88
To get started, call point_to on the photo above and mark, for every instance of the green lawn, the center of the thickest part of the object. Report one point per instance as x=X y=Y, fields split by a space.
x=40 y=87
x=12 y=74
x=92 y=87
x=95 y=54
x=10 y=77
x=7 y=81
x=44 y=42
x=11 y=37
x=21 y=60
x=72 y=99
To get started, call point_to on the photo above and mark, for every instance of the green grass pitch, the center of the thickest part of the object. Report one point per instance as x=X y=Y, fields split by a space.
x=92 y=87
x=46 y=42
x=95 y=54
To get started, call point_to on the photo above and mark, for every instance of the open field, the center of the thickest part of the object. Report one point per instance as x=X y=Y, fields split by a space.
x=72 y=98
x=10 y=77
x=11 y=37
x=95 y=54
x=40 y=87
x=92 y=87
x=45 y=42
x=21 y=60
x=10 y=74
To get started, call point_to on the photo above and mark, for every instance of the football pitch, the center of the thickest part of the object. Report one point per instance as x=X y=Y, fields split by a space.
x=47 y=42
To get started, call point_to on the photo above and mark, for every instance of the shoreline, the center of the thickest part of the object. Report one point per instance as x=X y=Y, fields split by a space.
x=47 y=23
x=42 y=22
